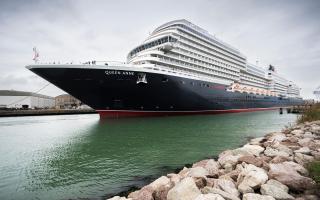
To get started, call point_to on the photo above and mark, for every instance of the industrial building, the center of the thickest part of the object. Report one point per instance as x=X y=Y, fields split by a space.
x=26 y=100
x=66 y=101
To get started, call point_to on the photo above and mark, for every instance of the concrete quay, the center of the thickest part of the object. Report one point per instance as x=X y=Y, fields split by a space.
x=17 y=113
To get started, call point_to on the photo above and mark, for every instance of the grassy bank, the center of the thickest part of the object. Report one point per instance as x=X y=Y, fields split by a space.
x=314 y=173
x=314 y=170
x=311 y=114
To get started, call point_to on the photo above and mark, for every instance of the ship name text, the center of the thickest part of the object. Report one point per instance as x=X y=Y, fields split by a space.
x=116 y=72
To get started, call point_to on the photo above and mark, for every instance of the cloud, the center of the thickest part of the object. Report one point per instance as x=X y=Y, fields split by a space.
x=283 y=33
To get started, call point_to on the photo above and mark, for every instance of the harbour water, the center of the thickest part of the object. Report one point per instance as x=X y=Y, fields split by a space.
x=81 y=156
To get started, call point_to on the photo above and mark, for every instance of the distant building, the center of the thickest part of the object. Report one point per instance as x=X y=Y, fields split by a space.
x=66 y=101
x=26 y=100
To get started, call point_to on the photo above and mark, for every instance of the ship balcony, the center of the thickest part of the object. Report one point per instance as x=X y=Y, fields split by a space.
x=144 y=58
x=200 y=73
x=221 y=56
x=207 y=65
x=198 y=66
x=211 y=47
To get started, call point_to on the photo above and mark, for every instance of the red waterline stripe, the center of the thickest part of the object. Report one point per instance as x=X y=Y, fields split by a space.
x=138 y=113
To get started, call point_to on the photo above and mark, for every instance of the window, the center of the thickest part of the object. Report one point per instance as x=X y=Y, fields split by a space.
x=152 y=44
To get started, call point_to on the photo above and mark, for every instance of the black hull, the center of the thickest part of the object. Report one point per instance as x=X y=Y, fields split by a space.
x=114 y=92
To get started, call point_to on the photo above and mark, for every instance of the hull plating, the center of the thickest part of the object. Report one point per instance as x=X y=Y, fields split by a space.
x=116 y=93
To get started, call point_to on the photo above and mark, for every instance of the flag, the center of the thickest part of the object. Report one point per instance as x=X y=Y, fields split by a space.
x=36 y=54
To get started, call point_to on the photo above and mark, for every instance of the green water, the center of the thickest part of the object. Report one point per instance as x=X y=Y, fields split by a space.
x=81 y=156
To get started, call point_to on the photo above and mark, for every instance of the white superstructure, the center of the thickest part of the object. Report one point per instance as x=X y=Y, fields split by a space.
x=183 y=47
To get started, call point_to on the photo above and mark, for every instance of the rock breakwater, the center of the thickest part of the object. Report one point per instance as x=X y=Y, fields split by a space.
x=272 y=167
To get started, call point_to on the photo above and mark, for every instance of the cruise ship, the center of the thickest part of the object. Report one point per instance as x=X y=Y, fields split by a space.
x=179 y=69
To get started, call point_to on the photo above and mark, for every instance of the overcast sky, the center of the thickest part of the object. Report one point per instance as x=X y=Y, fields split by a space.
x=285 y=33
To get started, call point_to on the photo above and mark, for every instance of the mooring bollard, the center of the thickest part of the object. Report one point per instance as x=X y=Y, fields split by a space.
x=281 y=111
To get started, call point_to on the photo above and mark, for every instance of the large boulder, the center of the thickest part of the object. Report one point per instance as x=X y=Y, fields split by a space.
x=305 y=142
x=163 y=180
x=228 y=167
x=277 y=137
x=235 y=173
x=299 y=168
x=292 y=139
x=184 y=172
x=276 y=189
x=210 y=165
x=291 y=145
x=265 y=158
x=201 y=163
x=146 y=193
x=227 y=186
x=210 y=182
x=256 y=141
x=251 y=160
x=308 y=135
x=288 y=175
x=279 y=159
x=224 y=194
x=248 y=149
x=315 y=129
x=315 y=145
x=297 y=132
x=160 y=185
x=162 y=192
x=200 y=182
x=253 y=196
x=251 y=178
x=227 y=157
x=272 y=152
x=283 y=148
x=303 y=150
x=302 y=159
x=186 y=189
x=174 y=178
x=209 y=196
x=316 y=154
x=198 y=172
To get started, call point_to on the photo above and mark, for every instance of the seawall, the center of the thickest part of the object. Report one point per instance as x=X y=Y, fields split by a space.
x=17 y=113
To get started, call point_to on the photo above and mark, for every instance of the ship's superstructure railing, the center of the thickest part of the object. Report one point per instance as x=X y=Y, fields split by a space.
x=91 y=62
